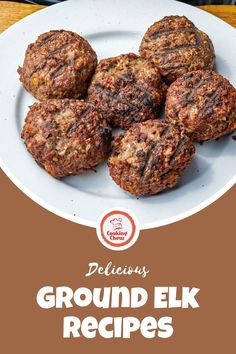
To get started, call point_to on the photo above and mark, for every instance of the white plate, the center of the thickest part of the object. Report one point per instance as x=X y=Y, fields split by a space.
x=112 y=27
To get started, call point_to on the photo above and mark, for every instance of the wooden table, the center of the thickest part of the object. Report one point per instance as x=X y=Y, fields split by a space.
x=11 y=12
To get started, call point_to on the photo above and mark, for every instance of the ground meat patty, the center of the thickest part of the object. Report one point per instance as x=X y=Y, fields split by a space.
x=59 y=64
x=127 y=89
x=176 y=46
x=150 y=157
x=66 y=137
x=203 y=102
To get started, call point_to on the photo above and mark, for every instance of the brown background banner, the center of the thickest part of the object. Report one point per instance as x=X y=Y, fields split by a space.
x=39 y=249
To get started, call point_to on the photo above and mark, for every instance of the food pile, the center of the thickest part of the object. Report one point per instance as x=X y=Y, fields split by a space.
x=69 y=131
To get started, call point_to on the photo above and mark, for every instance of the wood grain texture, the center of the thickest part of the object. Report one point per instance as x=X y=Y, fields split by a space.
x=11 y=12
x=225 y=12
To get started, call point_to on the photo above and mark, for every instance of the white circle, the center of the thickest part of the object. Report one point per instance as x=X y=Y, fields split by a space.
x=118 y=229
x=112 y=27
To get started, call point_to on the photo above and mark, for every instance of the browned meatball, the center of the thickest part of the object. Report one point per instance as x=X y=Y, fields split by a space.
x=59 y=64
x=127 y=89
x=204 y=103
x=150 y=157
x=66 y=137
x=176 y=46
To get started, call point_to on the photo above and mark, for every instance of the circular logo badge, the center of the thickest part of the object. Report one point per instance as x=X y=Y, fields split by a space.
x=117 y=229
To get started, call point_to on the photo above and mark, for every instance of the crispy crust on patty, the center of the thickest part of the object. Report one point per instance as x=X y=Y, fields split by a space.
x=176 y=46
x=127 y=89
x=150 y=157
x=59 y=64
x=204 y=103
x=66 y=137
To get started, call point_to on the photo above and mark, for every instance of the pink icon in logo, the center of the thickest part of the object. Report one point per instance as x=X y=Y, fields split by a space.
x=117 y=223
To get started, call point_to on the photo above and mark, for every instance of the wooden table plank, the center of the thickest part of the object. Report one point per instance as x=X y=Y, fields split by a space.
x=11 y=12
x=225 y=12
